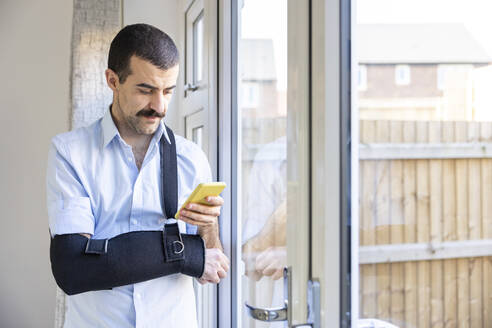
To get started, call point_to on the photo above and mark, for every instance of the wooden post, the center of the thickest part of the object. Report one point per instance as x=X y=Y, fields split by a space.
x=410 y=228
x=423 y=267
x=475 y=230
x=383 y=224
x=367 y=224
x=463 y=286
x=486 y=199
x=397 y=299
x=435 y=184
x=449 y=229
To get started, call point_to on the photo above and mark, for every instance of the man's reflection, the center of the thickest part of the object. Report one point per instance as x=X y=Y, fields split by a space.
x=264 y=227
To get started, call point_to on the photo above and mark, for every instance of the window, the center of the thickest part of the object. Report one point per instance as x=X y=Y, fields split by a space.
x=424 y=187
x=198 y=49
x=441 y=77
x=198 y=136
x=362 y=78
x=402 y=75
x=251 y=95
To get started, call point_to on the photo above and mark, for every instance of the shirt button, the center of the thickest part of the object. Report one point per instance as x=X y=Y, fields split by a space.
x=134 y=221
x=130 y=159
x=138 y=296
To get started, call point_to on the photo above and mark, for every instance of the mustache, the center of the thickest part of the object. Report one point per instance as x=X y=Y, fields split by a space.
x=150 y=113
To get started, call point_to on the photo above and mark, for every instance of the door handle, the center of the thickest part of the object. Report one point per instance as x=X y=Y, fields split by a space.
x=282 y=313
x=274 y=314
x=191 y=87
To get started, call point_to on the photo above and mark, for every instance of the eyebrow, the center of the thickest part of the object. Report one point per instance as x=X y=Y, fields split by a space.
x=148 y=86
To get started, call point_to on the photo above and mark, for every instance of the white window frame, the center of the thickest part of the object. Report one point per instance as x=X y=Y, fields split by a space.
x=403 y=75
x=362 y=78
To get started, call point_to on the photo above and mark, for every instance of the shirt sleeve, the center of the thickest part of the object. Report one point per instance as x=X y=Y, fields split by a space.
x=69 y=206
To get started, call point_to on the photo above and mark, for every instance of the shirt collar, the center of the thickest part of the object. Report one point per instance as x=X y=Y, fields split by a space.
x=110 y=131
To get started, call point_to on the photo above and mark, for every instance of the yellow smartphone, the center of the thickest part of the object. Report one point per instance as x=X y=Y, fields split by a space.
x=202 y=191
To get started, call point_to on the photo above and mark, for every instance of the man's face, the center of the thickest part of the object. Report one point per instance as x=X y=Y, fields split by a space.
x=142 y=100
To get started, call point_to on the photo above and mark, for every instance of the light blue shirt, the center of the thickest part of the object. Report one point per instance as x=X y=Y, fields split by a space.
x=95 y=187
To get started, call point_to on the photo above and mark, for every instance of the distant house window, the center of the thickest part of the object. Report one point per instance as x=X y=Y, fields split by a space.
x=362 y=78
x=441 y=77
x=251 y=95
x=402 y=75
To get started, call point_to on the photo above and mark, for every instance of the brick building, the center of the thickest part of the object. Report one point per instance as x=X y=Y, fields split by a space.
x=422 y=72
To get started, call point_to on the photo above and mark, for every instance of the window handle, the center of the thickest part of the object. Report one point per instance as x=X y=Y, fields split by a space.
x=191 y=87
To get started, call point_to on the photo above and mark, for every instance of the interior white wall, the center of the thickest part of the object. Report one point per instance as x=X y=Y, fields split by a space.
x=162 y=14
x=34 y=61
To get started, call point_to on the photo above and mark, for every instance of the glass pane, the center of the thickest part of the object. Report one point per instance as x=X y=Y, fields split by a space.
x=198 y=49
x=425 y=179
x=197 y=136
x=262 y=66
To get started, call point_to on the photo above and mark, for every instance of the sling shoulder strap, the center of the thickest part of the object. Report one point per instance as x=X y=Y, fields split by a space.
x=173 y=242
x=169 y=175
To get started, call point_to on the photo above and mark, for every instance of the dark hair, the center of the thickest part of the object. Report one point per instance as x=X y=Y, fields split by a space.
x=144 y=41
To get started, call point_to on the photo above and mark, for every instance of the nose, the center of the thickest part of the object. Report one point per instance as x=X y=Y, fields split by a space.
x=159 y=103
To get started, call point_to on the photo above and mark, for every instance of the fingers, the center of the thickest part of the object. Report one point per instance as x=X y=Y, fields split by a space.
x=213 y=210
x=271 y=263
x=271 y=269
x=215 y=200
x=278 y=274
x=191 y=221
x=222 y=274
x=197 y=218
x=202 y=215
x=216 y=265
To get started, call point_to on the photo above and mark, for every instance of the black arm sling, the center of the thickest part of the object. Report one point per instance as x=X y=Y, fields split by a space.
x=80 y=264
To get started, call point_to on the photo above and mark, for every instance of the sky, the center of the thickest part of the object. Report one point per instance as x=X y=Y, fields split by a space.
x=268 y=19
x=476 y=15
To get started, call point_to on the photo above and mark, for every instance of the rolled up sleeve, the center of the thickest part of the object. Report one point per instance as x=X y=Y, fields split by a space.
x=69 y=206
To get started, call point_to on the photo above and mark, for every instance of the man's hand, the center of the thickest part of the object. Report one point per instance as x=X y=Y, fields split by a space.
x=271 y=262
x=216 y=266
x=202 y=215
x=206 y=218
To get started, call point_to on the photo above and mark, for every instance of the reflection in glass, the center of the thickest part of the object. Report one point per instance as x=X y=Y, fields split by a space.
x=262 y=66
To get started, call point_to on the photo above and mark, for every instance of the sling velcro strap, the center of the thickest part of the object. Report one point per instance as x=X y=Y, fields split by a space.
x=96 y=246
x=173 y=243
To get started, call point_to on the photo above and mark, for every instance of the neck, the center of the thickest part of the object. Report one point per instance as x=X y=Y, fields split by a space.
x=131 y=137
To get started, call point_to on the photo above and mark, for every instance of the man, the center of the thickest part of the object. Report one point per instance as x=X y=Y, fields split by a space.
x=104 y=193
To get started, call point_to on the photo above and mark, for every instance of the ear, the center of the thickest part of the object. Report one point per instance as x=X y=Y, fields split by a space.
x=112 y=79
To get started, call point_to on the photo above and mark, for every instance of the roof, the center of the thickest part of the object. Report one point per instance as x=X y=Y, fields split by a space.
x=257 y=59
x=418 y=44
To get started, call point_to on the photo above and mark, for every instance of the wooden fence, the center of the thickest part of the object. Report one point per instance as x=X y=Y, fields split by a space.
x=417 y=201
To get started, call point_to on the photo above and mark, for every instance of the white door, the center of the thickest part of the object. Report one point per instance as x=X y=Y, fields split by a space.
x=266 y=130
x=283 y=103
x=198 y=110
